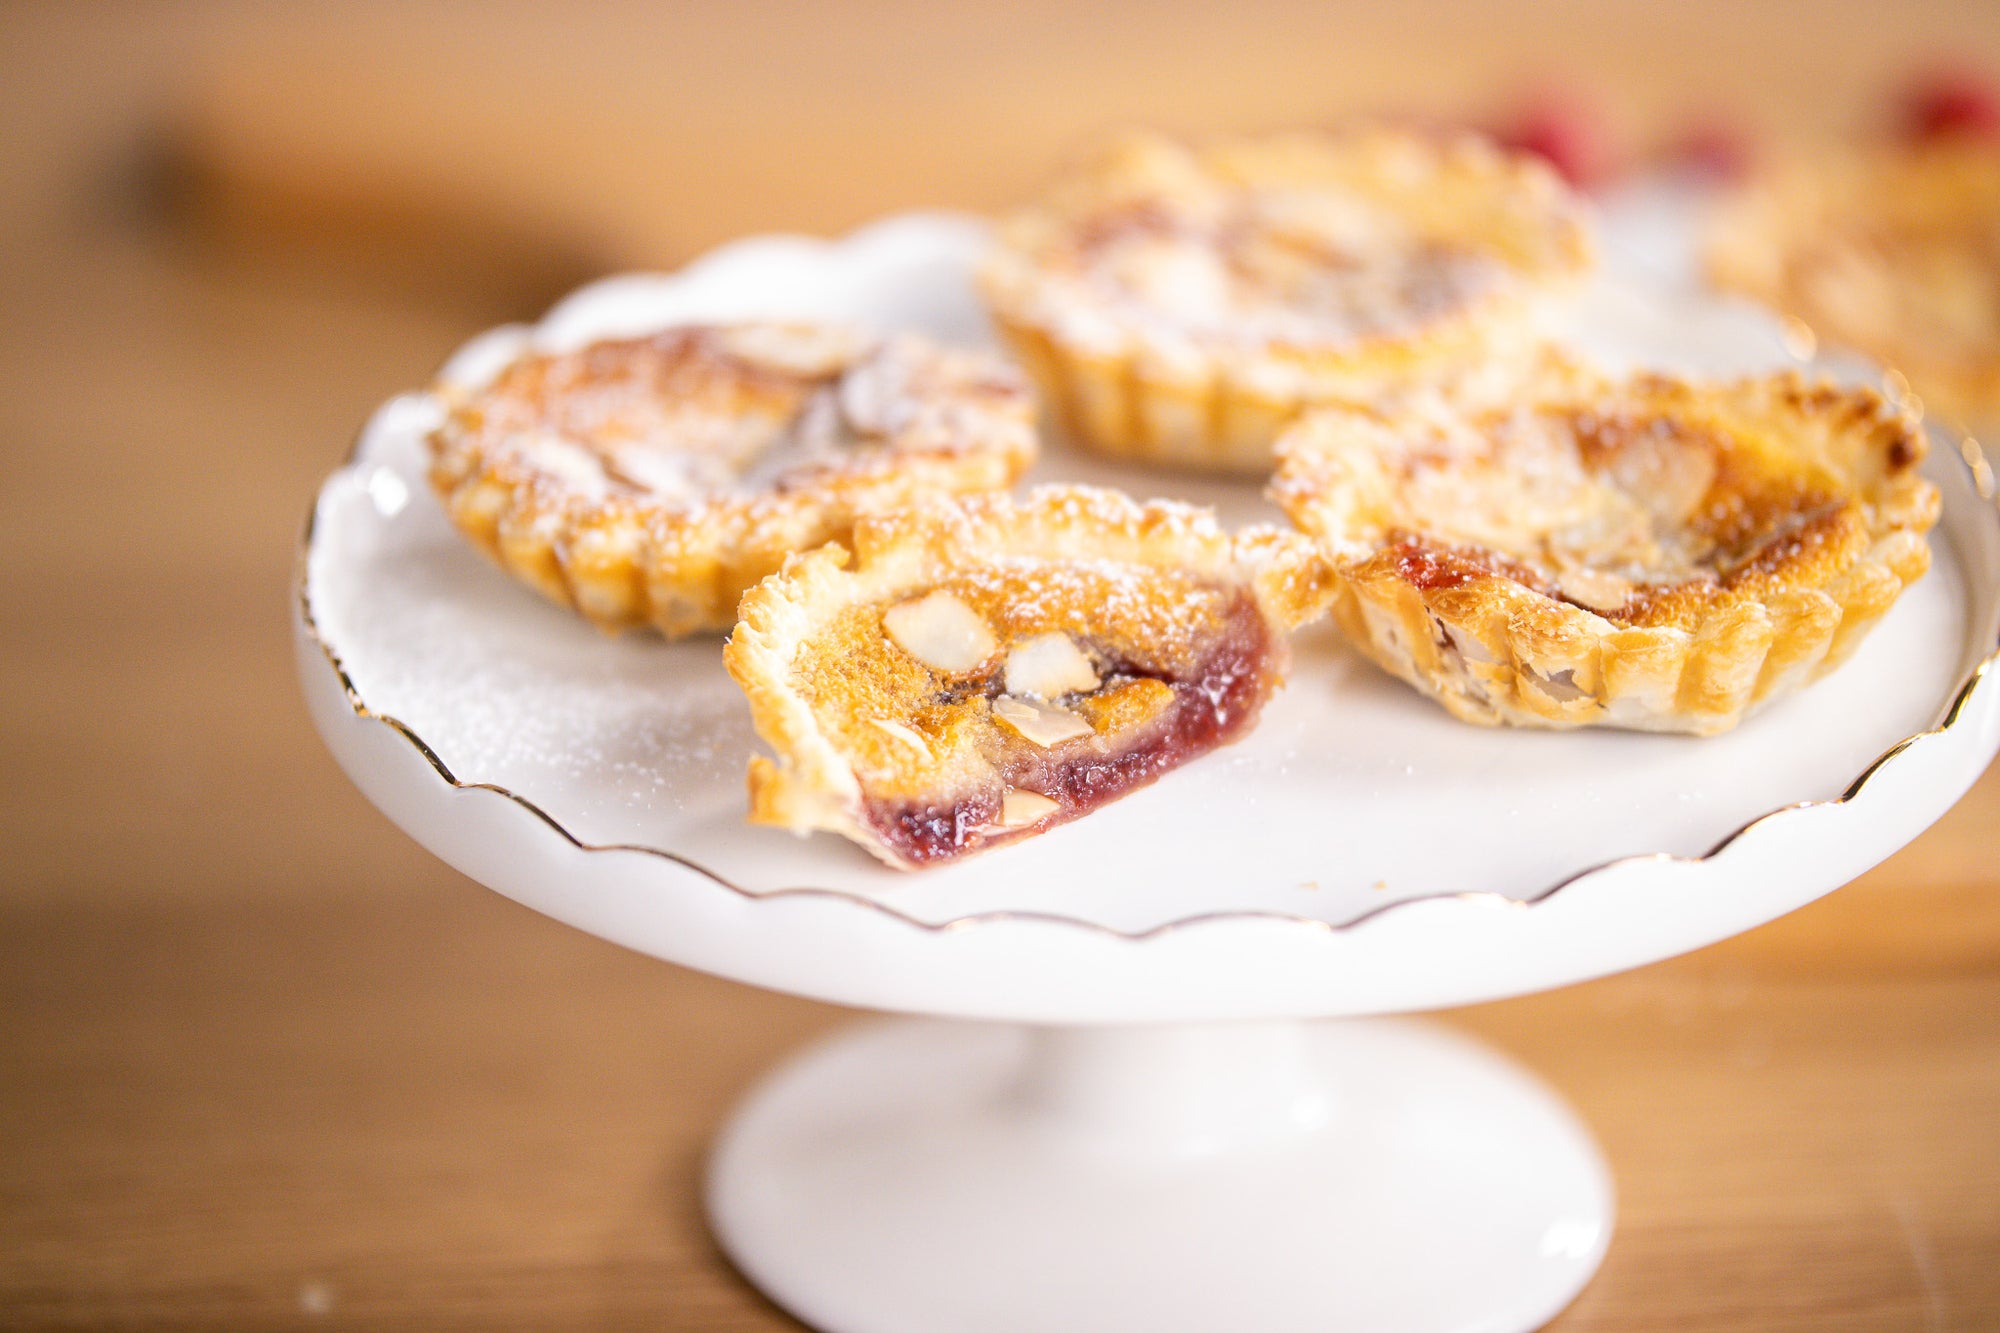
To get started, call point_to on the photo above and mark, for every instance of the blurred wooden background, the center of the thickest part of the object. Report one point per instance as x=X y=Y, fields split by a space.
x=263 y=1063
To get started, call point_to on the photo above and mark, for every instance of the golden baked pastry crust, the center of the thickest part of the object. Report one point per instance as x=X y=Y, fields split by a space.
x=981 y=669
x=651 y=480
x=1893 y=251
x=1178 y=304
x=1652 y=553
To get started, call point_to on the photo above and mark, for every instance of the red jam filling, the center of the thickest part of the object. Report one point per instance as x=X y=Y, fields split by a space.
x=1211 y=706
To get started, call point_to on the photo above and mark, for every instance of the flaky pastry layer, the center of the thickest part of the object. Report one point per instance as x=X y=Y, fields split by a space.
x=1893 y=251
x=1651 y=553
x=1179 y=304
x=650 y=480
x=981 y=669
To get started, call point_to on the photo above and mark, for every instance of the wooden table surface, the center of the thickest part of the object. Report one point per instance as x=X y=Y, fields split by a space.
x=263 y=1063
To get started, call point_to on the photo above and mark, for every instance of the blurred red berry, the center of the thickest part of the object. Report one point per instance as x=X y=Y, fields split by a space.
x=1950 y=103
x=1715 y=149
x=1565 y=132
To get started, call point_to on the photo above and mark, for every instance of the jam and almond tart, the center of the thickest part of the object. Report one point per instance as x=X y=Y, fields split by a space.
x=651 y=480
x=1179 y=303
x=1649 y=553
x=982 y=669
x=1895 y=251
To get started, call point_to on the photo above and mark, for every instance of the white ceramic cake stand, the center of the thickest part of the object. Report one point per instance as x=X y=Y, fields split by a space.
x=1146 y=1132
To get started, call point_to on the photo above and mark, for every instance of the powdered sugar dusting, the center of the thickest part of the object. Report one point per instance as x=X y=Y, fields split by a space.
x=516 y=691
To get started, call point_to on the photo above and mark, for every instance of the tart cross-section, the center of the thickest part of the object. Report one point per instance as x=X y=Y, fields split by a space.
x=980 y=670
x=651 y=480
x=1649 y=553
x=1178 y=303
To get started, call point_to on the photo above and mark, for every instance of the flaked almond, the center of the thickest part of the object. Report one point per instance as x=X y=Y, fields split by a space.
x=874 y=395
x=1020 y=808
x=806 y=350
x=1664 y=475
x=907 y=735
x=1044 y=724
x=1048 y=666
x=1595 y=589
x=573 y=466
x=940 y=631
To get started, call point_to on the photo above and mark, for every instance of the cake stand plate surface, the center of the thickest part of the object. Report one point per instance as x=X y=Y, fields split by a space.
x=1224 y=1164
x=1360 y=852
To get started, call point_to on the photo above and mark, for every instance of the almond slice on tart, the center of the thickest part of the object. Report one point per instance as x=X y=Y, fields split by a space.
x=1179 y=303
x=982 y=669
x=651 y=480
x=1649 y=553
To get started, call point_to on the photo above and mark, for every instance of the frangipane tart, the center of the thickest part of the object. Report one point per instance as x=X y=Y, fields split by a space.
x=651 y=480
x=1179 y=303
x=1895 y=251
x=980 y=670
x=1652 y=553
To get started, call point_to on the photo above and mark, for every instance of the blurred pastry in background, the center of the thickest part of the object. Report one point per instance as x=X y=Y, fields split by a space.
x=1648 y=553
x=1180 y=303
x=1890 y=248
x=651 y=480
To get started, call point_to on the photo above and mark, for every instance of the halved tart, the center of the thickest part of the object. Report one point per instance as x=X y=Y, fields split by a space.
x=982 y=669
x=1895 y=251
x=1649 y=553
x=651 y=480
x=1180 y=303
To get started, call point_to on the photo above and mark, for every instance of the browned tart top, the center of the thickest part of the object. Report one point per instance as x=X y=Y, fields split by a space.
x=989 y=669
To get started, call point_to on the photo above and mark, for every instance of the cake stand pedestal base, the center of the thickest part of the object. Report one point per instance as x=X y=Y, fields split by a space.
x=919 y=1176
